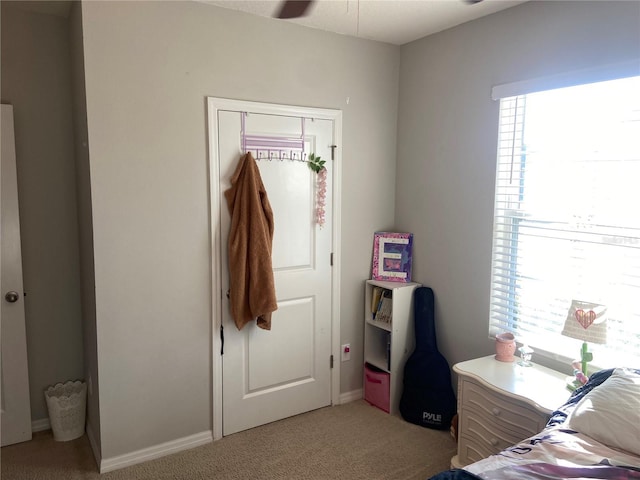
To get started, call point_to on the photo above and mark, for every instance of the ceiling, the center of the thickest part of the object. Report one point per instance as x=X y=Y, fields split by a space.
x=390 y=21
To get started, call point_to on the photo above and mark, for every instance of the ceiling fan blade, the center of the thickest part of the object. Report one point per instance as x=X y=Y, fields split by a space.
x=294 y=8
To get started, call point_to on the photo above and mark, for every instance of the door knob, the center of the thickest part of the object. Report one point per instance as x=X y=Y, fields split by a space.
x=12 y=297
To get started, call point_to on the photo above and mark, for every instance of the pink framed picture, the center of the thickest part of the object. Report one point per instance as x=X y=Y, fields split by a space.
x=392 y=254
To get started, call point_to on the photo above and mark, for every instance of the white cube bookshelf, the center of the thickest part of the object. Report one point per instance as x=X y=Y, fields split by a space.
x=387 y=346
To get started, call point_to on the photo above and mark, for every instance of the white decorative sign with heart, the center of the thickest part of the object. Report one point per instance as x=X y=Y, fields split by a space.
x=585 y=318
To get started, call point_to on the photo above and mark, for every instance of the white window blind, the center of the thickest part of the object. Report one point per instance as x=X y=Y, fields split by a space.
x=567 y=217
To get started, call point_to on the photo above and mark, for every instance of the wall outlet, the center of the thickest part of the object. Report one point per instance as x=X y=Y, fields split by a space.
x=346 y=352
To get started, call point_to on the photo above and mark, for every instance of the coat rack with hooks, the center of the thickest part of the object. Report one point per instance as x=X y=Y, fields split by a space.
x=267 y=147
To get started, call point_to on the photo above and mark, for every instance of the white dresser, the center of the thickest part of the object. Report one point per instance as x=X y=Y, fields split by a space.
x=502 y=403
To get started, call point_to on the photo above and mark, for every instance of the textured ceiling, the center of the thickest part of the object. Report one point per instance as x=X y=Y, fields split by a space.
x=390 y=21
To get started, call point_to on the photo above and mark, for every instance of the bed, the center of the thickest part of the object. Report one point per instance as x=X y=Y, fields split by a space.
x=594 y=435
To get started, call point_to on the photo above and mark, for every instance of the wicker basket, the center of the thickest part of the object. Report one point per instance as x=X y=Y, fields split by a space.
x=67 y=404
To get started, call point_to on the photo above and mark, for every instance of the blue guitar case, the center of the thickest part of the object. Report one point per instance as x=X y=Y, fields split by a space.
x=427 y=397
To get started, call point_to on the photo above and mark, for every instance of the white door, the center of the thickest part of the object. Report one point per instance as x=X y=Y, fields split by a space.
x=16 y=409
x=270 y=375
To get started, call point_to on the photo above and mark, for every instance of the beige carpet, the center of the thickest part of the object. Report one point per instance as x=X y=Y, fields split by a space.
x=348 y=442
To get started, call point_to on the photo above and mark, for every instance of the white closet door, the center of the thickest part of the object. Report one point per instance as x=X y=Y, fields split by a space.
x=16 y=409
x=270 y=375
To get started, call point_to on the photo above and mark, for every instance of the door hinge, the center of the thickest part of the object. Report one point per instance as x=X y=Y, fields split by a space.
x=333 y=149
x=221 y=340
x=331 y=259
x=331 y=361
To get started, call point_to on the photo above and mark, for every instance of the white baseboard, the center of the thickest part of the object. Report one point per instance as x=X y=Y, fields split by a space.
x=157 y=451
x=40 y=425
x=350 y=396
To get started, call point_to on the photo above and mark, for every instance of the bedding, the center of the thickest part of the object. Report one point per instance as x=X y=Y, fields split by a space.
x=611 y=423
x=594 y=435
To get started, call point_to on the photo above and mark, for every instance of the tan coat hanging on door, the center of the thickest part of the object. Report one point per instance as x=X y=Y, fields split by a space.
x=252 y=287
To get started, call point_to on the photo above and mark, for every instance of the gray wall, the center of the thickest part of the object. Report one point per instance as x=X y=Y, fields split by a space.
x=149 y=67
x=85 y=224
x=447 y=137
x=36 y=81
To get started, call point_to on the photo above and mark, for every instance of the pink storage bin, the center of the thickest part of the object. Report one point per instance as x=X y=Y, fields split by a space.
x=376 y=387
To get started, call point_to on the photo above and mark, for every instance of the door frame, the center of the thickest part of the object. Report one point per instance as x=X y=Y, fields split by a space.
x=215 y=104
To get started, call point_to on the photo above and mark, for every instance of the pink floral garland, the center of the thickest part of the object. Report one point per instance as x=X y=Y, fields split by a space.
x=317 y=165
x=321 y=196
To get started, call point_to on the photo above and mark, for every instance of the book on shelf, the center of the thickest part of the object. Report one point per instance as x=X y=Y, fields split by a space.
x=376 y=293
x=383 y=310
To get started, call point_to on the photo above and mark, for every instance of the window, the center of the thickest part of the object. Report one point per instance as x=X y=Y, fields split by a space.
x=567 y=217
